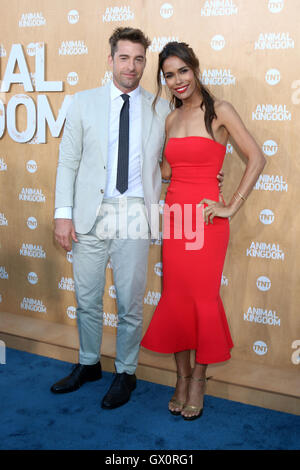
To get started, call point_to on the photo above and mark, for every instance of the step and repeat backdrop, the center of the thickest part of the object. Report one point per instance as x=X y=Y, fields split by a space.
x=249 y=55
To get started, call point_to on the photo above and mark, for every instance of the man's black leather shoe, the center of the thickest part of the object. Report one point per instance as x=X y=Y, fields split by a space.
x=79 y=375
x=120 y=391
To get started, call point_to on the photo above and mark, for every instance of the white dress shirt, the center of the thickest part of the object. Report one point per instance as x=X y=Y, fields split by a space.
x=135 y=187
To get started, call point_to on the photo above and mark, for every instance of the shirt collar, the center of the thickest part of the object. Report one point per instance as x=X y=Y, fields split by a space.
x=116 y=92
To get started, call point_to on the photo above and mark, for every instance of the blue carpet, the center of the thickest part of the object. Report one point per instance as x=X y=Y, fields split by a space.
x=32 y=418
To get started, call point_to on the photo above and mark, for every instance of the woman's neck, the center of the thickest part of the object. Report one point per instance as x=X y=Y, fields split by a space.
x=193 y=101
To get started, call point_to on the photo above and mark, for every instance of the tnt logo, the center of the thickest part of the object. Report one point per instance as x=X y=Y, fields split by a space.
x=32 y=278
x=2 y=352
x=73 y=16
x=275 y=6
x=31 y=166
x=263 y=283
x=72 y=78
x=266 y=216
x=71 y=312
x=166 y=10
x=272 y=76
x=218 y=42
x=270 y=147
x=260 y=348
x=31 y=48
x=32 y=223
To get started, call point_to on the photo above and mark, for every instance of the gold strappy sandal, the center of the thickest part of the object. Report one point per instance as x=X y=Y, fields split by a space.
x=177 y=403
x=197 y=409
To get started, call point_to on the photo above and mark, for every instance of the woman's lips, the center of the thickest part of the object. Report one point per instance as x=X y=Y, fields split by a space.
x=181 y=89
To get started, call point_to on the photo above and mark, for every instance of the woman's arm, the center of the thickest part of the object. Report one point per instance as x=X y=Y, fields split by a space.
x=229 y=118
x=165 y=167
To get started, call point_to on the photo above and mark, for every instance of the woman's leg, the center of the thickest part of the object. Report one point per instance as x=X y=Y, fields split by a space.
x=196 y=390
x=184 y=370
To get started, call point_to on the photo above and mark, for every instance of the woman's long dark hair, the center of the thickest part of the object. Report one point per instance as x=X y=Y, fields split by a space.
x=187 y=55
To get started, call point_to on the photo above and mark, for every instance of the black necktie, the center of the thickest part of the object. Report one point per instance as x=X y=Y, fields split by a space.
x=122 y=172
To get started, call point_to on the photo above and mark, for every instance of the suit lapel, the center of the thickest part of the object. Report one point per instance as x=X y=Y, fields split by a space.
x=102 y=121
x=147 y=116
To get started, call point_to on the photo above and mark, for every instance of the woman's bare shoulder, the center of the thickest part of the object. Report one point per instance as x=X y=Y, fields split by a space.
x=170 y=118
x=223 y=108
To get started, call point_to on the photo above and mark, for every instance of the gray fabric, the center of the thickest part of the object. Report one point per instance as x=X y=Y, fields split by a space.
x=129 y=258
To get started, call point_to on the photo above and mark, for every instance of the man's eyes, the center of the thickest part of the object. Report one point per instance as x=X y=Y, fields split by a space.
x=138 y=59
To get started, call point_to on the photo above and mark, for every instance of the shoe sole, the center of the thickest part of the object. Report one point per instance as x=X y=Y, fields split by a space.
x=73 y=389
x=112 y=407
x=192 y=418
x=70 y=390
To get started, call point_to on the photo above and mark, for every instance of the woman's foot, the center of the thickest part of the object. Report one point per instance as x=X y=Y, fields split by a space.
x=178 y=400
x=193 y=407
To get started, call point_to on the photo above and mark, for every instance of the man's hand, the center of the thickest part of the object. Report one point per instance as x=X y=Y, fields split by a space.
x=220 y=177
x=64 y=232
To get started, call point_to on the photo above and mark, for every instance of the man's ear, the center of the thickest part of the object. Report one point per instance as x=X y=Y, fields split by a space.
x=110 y=60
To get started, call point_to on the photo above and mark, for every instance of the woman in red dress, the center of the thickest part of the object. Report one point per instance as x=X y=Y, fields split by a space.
x=190 y=314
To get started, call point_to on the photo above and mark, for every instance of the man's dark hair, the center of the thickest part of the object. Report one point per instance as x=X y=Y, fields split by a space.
x=128 y=34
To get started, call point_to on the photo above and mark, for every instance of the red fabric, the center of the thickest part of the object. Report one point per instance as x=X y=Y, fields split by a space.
x=190 y=314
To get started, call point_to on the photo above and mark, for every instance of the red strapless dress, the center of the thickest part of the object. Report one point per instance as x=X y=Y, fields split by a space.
x=190 y=313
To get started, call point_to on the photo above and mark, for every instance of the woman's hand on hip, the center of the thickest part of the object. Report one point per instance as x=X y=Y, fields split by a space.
x=214 y=209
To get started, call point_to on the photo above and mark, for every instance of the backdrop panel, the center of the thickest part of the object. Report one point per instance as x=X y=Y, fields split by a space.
x=248 y=56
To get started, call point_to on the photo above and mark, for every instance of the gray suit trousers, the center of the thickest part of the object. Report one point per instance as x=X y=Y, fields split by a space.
x=120 y=233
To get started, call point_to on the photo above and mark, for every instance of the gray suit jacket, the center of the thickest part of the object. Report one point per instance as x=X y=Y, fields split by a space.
x=81 y=171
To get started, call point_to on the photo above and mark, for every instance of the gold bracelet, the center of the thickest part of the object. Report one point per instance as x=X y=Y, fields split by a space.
x=241 y=196
x=238 y=200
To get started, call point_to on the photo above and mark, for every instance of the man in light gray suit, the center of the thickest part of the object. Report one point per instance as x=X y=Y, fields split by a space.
x=108 y=170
